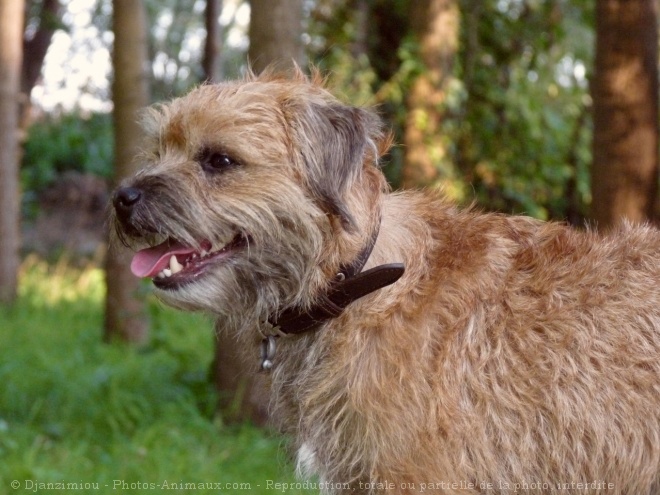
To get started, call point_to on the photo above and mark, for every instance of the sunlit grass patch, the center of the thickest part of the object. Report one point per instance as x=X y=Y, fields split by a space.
x=44 y=284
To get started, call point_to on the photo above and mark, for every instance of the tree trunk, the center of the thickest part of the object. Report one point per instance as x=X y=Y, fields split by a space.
x=275 y=32
x=243 y=393
x=435 y=24
x=36 y=47
x=34 y=53
x=275 y=38
x=625 y=99
x=125 y=316
x=211 y=62
x=11 y=48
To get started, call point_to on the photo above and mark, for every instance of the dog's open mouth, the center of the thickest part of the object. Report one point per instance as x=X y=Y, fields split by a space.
x=172 y=264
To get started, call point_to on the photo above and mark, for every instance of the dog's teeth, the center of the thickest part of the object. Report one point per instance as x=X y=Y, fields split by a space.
x=203 y=253
x=175 y=266
x=160 y=275
x=167 y=272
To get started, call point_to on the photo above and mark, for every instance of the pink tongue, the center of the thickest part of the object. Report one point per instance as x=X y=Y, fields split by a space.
x=151 y=261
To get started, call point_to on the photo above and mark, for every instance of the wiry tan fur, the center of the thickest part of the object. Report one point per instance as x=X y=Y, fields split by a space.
x=514 y=356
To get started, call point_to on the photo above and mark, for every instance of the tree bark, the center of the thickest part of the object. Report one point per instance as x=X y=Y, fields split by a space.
x=36 y=47
x=34 y=53
x=625 y=100
x=243 y=394
x=125 y=315
x=275 y=32
x=435 y=25
x=11 y=43
x=211 y=62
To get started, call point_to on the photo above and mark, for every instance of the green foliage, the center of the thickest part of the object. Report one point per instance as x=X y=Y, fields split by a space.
x=76 y=410
x=523 y=141
x=59 y=144
x=516 y=123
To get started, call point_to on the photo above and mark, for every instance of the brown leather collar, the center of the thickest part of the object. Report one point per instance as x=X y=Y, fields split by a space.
x=330 y=305
x=349 y=285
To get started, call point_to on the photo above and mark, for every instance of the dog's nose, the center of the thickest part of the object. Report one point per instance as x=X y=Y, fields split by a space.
x=125 y=199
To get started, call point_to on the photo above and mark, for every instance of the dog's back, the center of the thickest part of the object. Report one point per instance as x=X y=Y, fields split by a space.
x=551 y=371
x=515 y=356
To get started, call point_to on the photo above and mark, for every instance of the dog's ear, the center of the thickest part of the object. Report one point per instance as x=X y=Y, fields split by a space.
x=335 y=142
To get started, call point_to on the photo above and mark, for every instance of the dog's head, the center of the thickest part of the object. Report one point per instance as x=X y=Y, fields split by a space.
x=251 y=193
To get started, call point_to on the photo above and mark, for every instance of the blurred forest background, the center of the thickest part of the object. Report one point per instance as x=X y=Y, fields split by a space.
x=542 y=107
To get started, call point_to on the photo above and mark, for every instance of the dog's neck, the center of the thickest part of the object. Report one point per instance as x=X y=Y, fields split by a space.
x=348 y=285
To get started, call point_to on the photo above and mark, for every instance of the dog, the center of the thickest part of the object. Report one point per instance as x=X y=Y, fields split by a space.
x=412 y=346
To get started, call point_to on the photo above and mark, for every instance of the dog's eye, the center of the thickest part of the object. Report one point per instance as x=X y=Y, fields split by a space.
x=214 y=161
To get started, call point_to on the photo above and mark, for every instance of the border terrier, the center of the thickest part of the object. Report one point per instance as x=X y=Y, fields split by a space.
x=412 y=345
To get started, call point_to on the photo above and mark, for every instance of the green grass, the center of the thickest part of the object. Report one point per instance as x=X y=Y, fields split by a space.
x=75 y=410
